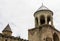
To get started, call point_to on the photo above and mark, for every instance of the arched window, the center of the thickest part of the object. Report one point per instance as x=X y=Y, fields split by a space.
x=55 y=37
x=42 y=19
x=36 y=19
x=48 y=20
x=6 y=40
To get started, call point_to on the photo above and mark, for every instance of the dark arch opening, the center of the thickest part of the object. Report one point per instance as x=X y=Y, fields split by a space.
x=48 y=20
x=42 y=19
x=55 y=37
x=36 y=20
x=6 y=40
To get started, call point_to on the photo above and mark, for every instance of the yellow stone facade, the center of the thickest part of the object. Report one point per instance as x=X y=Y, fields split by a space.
x=44 y=29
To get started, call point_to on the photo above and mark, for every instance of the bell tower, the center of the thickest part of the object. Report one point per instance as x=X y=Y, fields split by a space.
x=44 y=29
x=43 y=16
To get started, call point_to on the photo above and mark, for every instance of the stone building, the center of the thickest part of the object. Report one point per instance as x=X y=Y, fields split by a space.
x=44 y=29
x=6 y=35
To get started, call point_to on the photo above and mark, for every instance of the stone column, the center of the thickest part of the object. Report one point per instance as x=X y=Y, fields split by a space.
x=39 y=23
x=51 y=20
x=45 y=19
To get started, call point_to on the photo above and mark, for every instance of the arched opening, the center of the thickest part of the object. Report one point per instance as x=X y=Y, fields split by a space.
x=6 y=40
x=48 y=20
x=42 y=19
x=36 y=20
x=55 y=37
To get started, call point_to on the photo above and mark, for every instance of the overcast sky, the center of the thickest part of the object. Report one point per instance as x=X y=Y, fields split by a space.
x=19 y=14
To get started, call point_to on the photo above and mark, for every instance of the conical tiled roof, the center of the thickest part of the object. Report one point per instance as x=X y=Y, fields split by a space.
x=43 y=8
x=7 y=28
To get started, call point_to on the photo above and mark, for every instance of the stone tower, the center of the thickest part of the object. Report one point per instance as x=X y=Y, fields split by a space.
x=7 y=31
x=6 y=35
x=43 y=16
x=44 y=29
